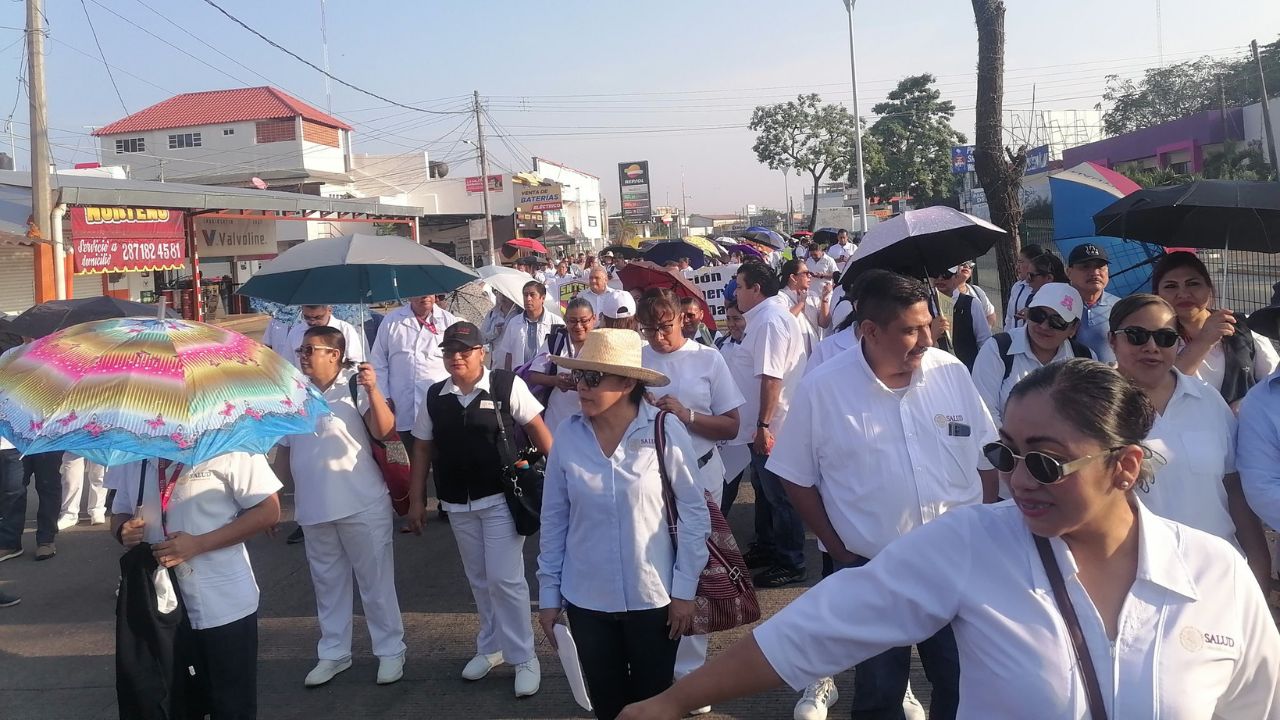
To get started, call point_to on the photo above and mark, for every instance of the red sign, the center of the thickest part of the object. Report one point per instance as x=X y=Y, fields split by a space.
x=474 y=184
x=115 y=239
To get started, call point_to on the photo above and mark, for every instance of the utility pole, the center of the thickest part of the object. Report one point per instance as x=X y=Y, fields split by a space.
x=857 y=126
x=484 y=180
x=324 y=45
x=1266 y=112
x=41 y=200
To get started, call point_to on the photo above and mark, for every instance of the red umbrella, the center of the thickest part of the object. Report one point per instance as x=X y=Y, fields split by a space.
x=642 y=274
x=528 y=244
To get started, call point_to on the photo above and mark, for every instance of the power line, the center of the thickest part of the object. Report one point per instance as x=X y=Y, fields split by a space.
x=103 y=55
x=317 y=68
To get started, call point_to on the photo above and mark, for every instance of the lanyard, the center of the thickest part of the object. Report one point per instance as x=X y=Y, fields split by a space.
x=430 y=324
x=166 y=490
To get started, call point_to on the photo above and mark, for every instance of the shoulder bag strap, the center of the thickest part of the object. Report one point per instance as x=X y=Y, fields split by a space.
x=1004 y=341
x=1092 y=690
x=668 y=495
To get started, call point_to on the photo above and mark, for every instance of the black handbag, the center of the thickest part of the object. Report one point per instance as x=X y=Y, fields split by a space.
x=522 y=478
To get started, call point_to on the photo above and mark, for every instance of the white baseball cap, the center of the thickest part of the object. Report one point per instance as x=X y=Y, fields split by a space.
x=618 y=305
x=1059 y=297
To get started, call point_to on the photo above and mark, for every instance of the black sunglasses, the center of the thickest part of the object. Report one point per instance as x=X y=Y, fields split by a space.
x=1039 y=316
x=1164 y=337
x=944 y=275
x=1046 y=469
x=590 y=378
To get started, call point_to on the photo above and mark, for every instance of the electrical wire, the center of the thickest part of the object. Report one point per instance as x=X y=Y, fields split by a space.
x=103 y=55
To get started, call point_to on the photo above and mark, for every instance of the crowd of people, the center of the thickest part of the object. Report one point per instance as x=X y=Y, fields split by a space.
x=1068 y=503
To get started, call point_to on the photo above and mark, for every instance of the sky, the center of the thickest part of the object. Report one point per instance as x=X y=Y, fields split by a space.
x=592 y=84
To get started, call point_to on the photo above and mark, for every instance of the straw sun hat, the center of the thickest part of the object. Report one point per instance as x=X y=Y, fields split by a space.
x=614 y=351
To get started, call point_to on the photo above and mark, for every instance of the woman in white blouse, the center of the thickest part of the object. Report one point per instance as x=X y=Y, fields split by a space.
x=704 y=397
x=1211 y=347
x=343 y=505
x=579 y=319
x=814 y=311
x=608 y=557
x=1170 y=619
x=1194 y=432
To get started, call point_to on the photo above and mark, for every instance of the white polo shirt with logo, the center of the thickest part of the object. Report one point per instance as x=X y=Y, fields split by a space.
x=773 y=346
x=902 y=458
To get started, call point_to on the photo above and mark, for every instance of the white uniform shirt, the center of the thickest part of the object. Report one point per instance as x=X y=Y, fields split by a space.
x=407 y=359
x=988 y=368
x=605 y=543
x=981 y=328
x=276 y=337
x=1196 y=434
x=773 y=345
x=355 y=345
x=1258 y=449
x=1213 y=369
x=809 y=317
x=824 y=266
x=831 y=347
x=898 y=464
x=513 y=340
x=1196 y=639
x=1019 y=295
x=523 y=408
x=980 y=296
x=217 y=587
x=560 y=403
x=334 y=473
x=700 y=380
x=597 y=300
x=841 y=254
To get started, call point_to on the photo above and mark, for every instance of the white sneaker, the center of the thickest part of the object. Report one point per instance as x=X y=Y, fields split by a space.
x=700 y=711
x=911 y=707
x=98 y=517
x=480 y=666
x=324 y=671
x=67 y=521
x=817 y=699
x=528 y=677
x=390 y=669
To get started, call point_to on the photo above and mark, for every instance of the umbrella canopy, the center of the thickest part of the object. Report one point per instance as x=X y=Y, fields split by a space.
x=724 y=241
x=826 y=236
x=765 y=236
x=625 y=251
x=508 y=281
x=746 y=250
x=643 y=274
x=924 y=243
x=527 y=244
x=709 y=248
x=1205 y=214
x=469 y=302
x=50 y=317
x=115 y=391
x=356 y=269
x=664 y=252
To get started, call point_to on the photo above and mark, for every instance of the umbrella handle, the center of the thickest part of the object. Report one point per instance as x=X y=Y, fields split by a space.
x=142 y=483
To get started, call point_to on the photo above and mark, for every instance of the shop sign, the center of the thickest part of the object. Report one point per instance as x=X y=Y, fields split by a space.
x=126 y=239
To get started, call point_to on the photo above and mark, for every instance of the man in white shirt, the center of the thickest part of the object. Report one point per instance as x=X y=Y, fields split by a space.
x=407 y=359
x=821 y=268
x=970 y=326
x=561 y=276
x=1089 y=271
x=773 y=351
x=525 y=337
x=686 y=269
x=317 y=315
x=597 y=289
x=911 y=429
x=842 y=251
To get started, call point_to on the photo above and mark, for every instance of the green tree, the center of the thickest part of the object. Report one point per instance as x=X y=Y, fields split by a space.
x=914 y=132
x=1176 y=91
x=807 y=136
x=1235 y=163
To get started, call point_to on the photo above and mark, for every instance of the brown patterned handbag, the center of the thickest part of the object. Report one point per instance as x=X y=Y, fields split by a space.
x=725 y=598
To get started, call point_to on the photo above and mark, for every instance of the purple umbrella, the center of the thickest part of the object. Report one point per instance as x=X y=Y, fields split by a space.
x=745 y=250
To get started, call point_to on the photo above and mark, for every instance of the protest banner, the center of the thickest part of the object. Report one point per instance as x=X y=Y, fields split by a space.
x=711 y=281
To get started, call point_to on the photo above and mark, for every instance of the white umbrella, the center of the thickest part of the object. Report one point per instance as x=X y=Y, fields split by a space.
x=508 y=281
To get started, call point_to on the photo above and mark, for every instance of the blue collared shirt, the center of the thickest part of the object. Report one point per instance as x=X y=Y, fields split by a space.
x=1258 y=449
x=1095 y=330
x=605 y=543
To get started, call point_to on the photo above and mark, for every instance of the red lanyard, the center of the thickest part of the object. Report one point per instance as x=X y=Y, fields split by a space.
x=166 y=490
x=430 y=324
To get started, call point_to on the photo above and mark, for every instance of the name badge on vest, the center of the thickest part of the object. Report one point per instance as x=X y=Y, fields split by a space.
x=486 y=404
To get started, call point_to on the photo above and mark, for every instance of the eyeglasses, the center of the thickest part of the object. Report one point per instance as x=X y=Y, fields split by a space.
x=314 y=319
x=579 y=321
x=664 y=328
x=590 y=378
x=1164 y=337
x=309 y=350
x=1039 y=316
x=692 y=315
x=944 y=275
x=456 y=352
x=1046 y=469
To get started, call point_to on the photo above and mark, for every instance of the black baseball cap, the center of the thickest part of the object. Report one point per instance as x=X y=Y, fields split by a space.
x=1086 y=252
x=462 y=333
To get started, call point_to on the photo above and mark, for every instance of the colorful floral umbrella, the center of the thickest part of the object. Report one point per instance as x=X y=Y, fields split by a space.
x=126 y=389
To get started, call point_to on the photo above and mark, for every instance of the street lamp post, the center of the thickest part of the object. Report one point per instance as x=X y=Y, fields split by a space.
x=857 y=123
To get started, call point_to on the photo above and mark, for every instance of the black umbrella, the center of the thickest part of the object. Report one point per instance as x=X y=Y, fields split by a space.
x=826 y=236
x=661 y=253
x=923 y=243
x=50 y=317
x=625 y=251
x=1205 y=214
x=765 y=236
x=1266 y=321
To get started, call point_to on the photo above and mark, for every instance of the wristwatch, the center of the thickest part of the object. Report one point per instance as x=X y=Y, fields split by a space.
x=764 y=425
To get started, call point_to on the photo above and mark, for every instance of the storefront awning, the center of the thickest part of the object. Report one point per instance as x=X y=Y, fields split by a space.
x=15 y=211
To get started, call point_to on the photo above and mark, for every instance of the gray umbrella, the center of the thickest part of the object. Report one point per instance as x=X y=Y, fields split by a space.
x=469 y=302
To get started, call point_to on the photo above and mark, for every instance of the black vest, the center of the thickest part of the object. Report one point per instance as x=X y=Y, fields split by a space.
x=1239 y=351
x=466 y=457
x=964 y=342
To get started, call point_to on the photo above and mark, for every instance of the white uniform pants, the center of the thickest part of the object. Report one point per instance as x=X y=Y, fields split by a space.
x=361 y=545
x=76 y=473
x=692 y=652
x=493 y=557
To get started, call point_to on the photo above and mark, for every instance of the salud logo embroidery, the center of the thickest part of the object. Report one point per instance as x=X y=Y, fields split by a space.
x=1191 y=638
x=942 y=420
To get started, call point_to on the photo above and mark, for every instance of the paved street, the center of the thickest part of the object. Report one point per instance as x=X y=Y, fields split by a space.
x=56 y=647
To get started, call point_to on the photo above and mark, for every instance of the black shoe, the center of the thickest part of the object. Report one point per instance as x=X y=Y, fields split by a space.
x=758 y=557
x=295 y=537
x=7 y=600
x=779 y=576
x=442 y=514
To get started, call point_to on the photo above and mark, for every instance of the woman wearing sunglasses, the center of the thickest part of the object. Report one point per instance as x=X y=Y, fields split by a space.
x=579 y=319
x=1213 y=345
x=703 y=396
x=1194 y=432
x=1169 y=620
x=814 y=311
x=342 y=502
x=607 y=554
x=1052 y=317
